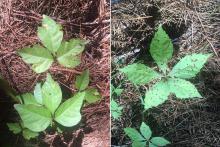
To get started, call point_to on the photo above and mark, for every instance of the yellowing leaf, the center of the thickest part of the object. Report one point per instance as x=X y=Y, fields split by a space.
x=189 y=66
x=156 y=95
x=161 y=48
x=183 y=89
x=35 y=118
x=39 y=57
x=68 y=114
x=139 y=73
x=51 y=93
x=68 y=53
x=50 y=34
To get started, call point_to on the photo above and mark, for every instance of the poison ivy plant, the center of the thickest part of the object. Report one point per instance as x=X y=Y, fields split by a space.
x=168 y=82
x=67 y=53
x=145 y=137
x=115 y=108
x=45 y=108
x=82 y=82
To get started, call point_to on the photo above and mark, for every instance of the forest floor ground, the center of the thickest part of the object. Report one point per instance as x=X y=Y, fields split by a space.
x=193 y=27
x=85 y=19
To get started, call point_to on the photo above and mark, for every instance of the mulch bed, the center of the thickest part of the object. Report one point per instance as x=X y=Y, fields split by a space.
x=86 y=19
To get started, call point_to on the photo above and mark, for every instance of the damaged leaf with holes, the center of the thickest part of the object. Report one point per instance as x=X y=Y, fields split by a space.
x=168 y=81
x=53 y=48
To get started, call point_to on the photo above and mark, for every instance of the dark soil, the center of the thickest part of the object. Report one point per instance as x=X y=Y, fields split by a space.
x=86 y=19
x=192 y=123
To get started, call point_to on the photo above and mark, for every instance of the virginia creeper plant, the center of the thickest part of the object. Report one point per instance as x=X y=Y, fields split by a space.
x=53 y=48
x=145 y=137
x=45 y=108
x=168 y=81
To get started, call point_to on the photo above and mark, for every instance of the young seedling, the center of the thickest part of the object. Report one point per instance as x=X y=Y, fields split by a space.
x=44 y=108
x=145 y=137
x=115 y=108
x=67 y=53
x=82 y=82
x=17 y=128
x=174 y=81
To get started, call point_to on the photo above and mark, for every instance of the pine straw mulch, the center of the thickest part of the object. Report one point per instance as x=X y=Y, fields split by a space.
x=86 y=19
x=194 y=28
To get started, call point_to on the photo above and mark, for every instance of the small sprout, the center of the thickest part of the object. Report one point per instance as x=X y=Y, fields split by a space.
x=145 y=137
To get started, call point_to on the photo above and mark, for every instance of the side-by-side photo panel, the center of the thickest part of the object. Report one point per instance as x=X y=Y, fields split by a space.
x=165 y=71
x=55 y=73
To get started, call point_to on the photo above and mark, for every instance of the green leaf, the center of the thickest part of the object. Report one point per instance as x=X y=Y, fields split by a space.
x=50 y=34
x=133 y=134
x=28 y=134
x=145 y=131
x=183 y=89
x=39 y=57
x=139 y=73
x=156 y=95
x=189 y=66
x=139 y=144
x=68 y=114
x=82 y=81
x=118 y=91
x=38 y=93
x=52 y=94
x=68 y=53
x=14 y=127
x=35 y=118
x=70 y=61
x=28 y=98
x=92 y=95
x=152 y=145
x=115 y=109
x=161 y=48
x=159 y=141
